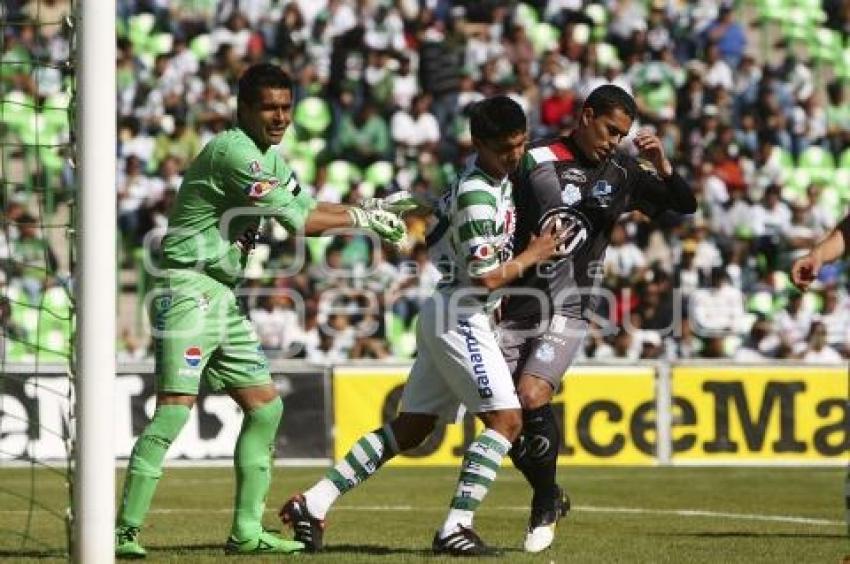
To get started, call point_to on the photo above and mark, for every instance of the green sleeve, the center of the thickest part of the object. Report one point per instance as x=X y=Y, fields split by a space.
x=266 y=183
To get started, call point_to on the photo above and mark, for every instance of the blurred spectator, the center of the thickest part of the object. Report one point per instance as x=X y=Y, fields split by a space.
x=363 y=137
x=760 y=345
x=718 y=309
x=794 y=321
x=728 y=35
x=818 y=350
x=835 y=316
x=737 y=107
x=415 y=131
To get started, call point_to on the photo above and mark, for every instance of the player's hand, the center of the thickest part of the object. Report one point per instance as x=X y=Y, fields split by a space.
x=805 y=270
x=551 y=240
x=387 y=225
x=398 y=203
x=650 y=147
x=248 y=239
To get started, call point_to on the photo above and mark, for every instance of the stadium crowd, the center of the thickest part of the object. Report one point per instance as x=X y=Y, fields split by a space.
x=748 y=100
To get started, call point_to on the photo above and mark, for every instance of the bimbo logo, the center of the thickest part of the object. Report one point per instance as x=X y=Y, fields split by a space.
x=193 y=356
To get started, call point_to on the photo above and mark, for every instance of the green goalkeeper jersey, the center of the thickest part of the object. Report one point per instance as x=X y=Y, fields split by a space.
x=230 y=186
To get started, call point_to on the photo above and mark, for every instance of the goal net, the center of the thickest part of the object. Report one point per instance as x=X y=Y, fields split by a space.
x=37 y=90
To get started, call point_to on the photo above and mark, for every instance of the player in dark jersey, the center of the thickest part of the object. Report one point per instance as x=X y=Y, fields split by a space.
x=586 y=184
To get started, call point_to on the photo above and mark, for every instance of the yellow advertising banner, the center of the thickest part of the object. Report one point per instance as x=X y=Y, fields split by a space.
x=760 y=414
x=608 y=414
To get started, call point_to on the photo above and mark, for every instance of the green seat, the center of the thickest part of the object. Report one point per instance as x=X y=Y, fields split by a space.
x=304 y=169
x=797 y=26
x=772 y=10
x=819 y=163
x=16 y=109
x=544 y=37
x=813 y=10
x=761 y=302
x=526 y=16
x=401 y=338
x=606 y=54
x=380 y=173
x=599 y=16
x=201 y=46
x=825 y=46
x=140 y=28
x=581 y=33
x=312 y=115
x=341 y=174
x=160 y=43
x=841 y=184
x=317 y=247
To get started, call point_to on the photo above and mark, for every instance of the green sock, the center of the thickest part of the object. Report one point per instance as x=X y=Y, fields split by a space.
x=145 y=465
x=252 y=459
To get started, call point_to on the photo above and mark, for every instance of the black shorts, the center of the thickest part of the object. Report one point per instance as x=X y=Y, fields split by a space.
x=540 y=349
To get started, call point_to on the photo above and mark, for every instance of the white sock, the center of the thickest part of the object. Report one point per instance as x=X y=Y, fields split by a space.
x=480 y=464
x=320 y=497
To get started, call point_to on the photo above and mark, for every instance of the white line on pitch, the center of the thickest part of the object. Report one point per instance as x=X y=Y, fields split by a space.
x=580 y=508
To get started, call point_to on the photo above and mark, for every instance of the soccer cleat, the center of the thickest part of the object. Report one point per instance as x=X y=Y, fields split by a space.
x=463 y=542
x=127 y=543
x=266 y=543
x=541 y=525
x=307 y=528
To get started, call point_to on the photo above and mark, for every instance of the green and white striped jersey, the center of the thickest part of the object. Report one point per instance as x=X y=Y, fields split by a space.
x=473 y=231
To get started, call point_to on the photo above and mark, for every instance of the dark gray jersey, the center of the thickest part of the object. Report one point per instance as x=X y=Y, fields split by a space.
x=555 y=182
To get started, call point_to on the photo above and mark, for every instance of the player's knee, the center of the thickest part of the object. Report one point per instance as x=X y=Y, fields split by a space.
x=166 y=424
x=534 y=393
x=411 y=429
x=511 y=424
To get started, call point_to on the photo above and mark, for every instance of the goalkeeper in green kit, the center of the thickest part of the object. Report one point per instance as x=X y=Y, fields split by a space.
x=199 y=331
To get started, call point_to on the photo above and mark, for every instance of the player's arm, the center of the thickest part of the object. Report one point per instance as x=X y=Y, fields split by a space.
x=476 y=223
x=280 y=196
x=538 y=250
x=805 y=269
x=660 y=187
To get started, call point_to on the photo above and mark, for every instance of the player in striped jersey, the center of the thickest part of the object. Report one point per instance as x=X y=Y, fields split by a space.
x=458 y=362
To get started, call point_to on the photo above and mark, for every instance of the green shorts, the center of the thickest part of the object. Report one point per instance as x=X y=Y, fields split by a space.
x=199 y=331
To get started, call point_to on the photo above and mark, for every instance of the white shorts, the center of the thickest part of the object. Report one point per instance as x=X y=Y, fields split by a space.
x=457 y=365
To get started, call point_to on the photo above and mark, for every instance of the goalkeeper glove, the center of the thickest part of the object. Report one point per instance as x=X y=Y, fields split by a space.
x=387 y=225
x=398 y=203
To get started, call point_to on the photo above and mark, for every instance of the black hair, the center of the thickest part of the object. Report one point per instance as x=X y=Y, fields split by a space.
x=257 y=77
x=496 y=117
x=606 y=98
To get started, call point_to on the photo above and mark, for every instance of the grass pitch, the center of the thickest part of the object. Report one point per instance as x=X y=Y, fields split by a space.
x=619 y=515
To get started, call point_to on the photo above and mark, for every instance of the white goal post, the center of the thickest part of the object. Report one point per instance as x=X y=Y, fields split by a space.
x=94 y=472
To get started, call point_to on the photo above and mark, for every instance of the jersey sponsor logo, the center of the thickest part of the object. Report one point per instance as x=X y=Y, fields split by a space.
x=260 y=188
x=571 y=195
x=473 y=348
x=602 y=193
x=545 y=353
x=568 y=219
x=574 y=175
x=193 y=356
x=483 y=251
x=255 y=168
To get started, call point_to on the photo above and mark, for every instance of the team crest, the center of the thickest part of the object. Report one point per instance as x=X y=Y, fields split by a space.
x=483 y=252
x=545 y=353
x=571 y=194
x=602 y=193
x=259 y=189
x=574 y=175
x=255 y=168
x=203 y=302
